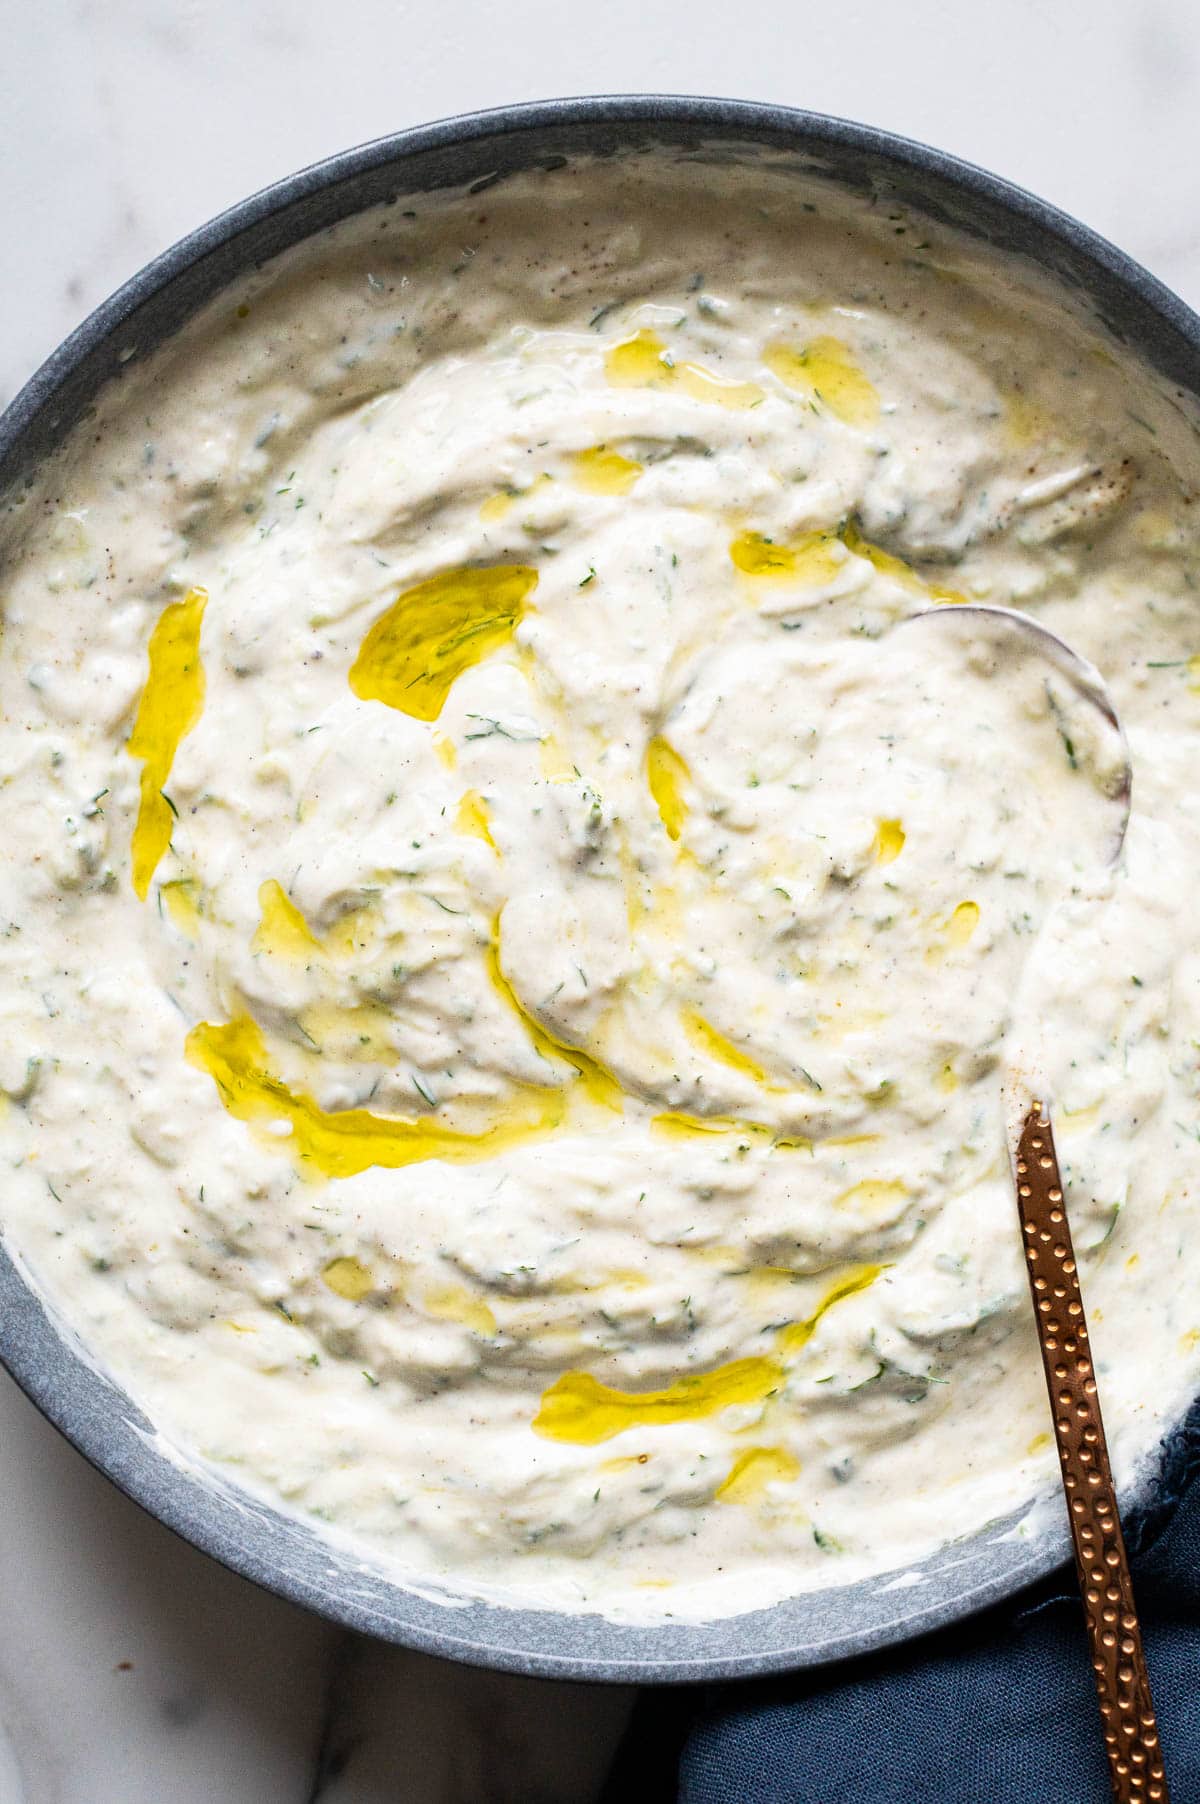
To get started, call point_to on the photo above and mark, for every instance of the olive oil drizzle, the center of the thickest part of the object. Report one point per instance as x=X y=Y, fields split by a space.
x=171 y=703
x=578 y=1409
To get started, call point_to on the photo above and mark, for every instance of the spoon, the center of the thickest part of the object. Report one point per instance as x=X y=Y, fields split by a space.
x=1110 y=1613
x=1118 y=1662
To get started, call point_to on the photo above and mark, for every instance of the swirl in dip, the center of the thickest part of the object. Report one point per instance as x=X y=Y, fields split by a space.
x=519 y=944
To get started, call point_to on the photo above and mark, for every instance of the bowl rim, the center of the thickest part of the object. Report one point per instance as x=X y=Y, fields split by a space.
x=42 y=1354
x=759 y=119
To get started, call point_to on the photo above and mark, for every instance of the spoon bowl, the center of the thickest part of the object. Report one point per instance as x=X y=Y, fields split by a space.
x=1085 y=682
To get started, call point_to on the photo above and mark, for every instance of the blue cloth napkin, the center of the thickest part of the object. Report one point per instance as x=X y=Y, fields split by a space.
x=1000 y=1710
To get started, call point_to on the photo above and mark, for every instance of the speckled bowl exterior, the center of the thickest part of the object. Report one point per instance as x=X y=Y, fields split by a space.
x=278 y=1551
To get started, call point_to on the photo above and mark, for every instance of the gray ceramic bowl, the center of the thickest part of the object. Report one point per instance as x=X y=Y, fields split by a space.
x=281 y=1553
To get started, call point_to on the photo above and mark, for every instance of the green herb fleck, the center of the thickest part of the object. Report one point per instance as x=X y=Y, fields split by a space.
x=423 y=1090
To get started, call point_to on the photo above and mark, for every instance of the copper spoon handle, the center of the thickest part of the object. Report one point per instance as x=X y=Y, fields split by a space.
x=1122 y=1683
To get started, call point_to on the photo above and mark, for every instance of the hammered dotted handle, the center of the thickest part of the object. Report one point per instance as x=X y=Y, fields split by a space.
x=1122 y=1683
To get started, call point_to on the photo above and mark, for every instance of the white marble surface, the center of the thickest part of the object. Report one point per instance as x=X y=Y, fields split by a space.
x=132 y=1670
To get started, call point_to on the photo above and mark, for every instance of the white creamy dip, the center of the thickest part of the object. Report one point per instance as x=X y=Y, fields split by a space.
x=519 y=948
